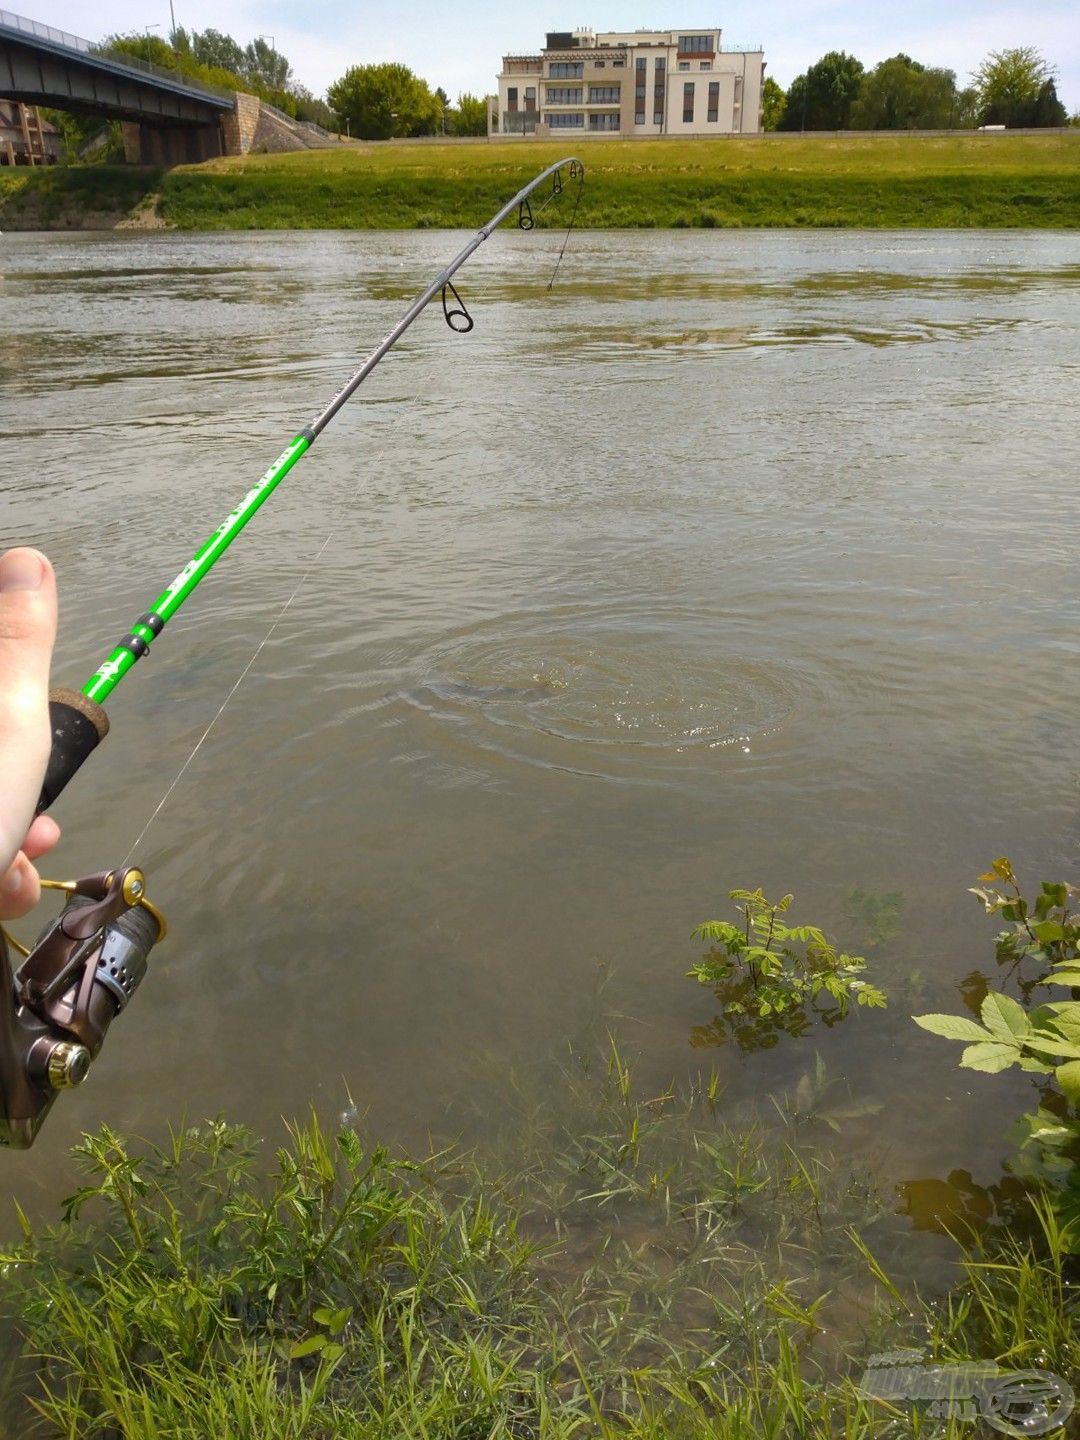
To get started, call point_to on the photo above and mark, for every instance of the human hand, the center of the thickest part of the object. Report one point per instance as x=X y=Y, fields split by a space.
x=27 y=632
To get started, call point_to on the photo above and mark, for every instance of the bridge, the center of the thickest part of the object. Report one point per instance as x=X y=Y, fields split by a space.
x=168 y=119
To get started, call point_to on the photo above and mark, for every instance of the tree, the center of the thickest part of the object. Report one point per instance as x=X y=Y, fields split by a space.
x=381 y=101
x=469 y=116
x=1045 y=110
x=1008 y=80
x=220 y=52
x=265 y=65
x=773 y=101
x=309 y=108
x=821 y=99
x=901 y=94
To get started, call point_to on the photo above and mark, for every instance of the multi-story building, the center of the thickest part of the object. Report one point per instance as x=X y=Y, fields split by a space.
x=642 y=82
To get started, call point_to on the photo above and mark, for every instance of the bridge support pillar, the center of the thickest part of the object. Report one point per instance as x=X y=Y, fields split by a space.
x=169 y=144
x=239 y=126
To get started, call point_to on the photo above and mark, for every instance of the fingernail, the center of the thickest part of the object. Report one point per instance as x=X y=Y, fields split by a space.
x=21 y=570
x=11 y=883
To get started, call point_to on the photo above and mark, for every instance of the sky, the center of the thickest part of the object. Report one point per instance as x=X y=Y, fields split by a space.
x=459 y=46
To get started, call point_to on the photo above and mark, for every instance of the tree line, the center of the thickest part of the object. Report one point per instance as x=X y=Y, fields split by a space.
x=1014 y=88
x=372 y=102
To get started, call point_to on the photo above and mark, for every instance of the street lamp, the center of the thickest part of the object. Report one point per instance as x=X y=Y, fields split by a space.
x=146 y=32
x=172 y=35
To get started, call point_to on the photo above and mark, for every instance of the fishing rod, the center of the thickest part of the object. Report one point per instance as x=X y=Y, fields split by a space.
x=56 y=1007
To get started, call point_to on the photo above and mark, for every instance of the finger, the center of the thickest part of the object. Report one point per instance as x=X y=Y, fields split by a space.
x=27 y=632
x=43 y=834
x=20 y=889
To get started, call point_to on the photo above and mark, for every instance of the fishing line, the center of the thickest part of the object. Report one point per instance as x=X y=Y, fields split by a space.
x=449 y=314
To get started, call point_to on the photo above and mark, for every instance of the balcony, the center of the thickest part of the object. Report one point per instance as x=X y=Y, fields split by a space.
x=519 y=122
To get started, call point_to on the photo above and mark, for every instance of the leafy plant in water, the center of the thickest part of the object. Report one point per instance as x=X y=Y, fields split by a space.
x=769 y=970
x=1043 y=1039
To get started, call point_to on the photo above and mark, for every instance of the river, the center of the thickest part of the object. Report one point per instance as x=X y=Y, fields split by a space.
x=737 y=559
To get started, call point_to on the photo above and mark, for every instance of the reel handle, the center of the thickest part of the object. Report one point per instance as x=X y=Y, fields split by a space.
x=78 y=726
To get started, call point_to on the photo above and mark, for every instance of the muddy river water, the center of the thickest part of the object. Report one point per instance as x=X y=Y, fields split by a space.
x=737 y=559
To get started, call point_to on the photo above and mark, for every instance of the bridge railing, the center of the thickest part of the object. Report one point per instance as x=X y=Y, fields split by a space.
x=41 y=31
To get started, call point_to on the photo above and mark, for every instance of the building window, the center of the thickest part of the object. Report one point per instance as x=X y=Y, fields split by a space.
x=696 y=44
x=511 y=98
x=566 y=70
x=599 y=64
x=564 y=94
x=603 y=94
x=714 y=101
x=688 y=103
x=639 y=118
x=684 y=64
x=639 y=92
x=705 y=65
x=566 y=120
x=658 y=117
x=661 y=63
x=641 y=63
x=604 y=122
x=618 y=64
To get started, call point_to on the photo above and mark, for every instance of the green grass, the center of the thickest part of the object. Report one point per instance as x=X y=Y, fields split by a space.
x=627 y=1267
x=67 y=198
x=786 y=180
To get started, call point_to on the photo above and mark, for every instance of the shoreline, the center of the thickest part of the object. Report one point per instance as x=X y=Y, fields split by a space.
x=1017 y=180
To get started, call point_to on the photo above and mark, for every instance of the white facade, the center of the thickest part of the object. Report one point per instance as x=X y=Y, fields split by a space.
x=630 y=83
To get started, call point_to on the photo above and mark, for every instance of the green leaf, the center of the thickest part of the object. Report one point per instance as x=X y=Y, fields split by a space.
x=1048 y=1042
x=1064 y=976
x=1033 y=1066
x=953 y=1027
x=1068 y=1077
x=24 y=1223
x=1049 y=931
x=310 y=1346
x=991 y=1056
x=1004 y=1017
x=1066 y=1019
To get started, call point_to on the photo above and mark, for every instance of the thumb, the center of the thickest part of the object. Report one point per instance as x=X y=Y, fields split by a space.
x=27 y=631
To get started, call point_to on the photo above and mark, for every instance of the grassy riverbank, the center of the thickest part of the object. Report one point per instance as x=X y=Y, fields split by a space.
x=620 y=1267
x=885 y=181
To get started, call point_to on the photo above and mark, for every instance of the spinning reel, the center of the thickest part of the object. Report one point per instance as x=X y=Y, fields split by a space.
x=56 y=1008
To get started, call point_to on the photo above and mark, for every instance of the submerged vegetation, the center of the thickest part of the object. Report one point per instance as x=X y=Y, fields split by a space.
x=631 y=1267
x=617 y=1265
x=882 y=181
